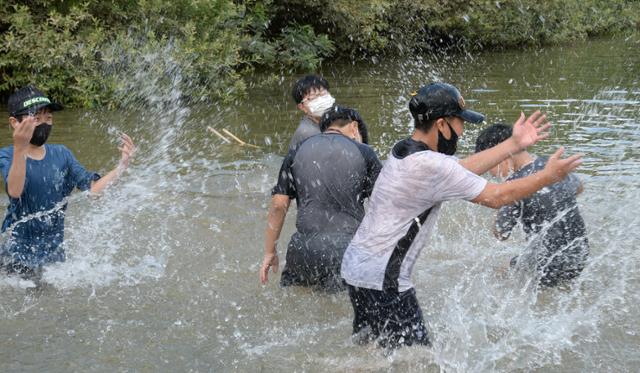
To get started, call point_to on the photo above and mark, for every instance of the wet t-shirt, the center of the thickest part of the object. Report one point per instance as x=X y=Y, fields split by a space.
x=403 y=209
x=34 y=223
x=550 y=217
x=306 y=129
x=330 y=176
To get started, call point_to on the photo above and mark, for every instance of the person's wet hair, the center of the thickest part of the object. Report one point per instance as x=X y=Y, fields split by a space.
x=492 y=136
x=341 y=116
x=307 y=84
x=424 y=125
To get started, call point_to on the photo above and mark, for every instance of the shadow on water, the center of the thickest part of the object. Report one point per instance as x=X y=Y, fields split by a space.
x=162 y=270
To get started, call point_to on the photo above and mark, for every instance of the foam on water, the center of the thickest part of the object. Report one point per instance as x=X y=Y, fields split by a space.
x=489 y=324
x=124 y=236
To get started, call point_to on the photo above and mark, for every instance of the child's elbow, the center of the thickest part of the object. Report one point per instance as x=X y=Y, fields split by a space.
x=280 y=203
x=492 y=196
x=489 y=200
x=14 y=193
x=495 y=203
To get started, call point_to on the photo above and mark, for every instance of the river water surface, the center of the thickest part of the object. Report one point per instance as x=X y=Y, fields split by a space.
x=162 y=270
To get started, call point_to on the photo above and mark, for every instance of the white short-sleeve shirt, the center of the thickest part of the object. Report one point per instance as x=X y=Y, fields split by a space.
x=414 y=180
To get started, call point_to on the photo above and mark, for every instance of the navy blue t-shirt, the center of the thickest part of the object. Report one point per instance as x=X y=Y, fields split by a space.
x=552 y=222
x=35 y=222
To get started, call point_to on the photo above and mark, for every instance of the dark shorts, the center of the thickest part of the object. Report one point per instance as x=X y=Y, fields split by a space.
x=16 y=254
x=392 y=319
x=314 y=261
x=15 y=268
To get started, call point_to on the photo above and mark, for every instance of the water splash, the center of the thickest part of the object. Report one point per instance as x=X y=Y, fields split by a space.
x=127 y=235
x=161 y=271
x=489 y=323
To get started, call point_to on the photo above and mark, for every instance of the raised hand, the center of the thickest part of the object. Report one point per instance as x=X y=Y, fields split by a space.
x=559 y=168
x=23 y=132
x=530 y=131
x=127 y=150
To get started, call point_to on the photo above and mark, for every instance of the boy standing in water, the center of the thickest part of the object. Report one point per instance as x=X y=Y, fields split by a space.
x=550 y=218
x=418 y=176
x=330 y=175
x=38 y=179
x=312 y=97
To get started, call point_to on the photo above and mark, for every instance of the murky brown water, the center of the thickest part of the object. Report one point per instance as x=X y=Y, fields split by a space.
x=162 y=271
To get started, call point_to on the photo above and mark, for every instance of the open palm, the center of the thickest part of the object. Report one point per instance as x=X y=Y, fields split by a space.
x=530 y=131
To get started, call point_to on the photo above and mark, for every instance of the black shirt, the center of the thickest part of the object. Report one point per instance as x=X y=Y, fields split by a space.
x=330 y=176
x=550 y=217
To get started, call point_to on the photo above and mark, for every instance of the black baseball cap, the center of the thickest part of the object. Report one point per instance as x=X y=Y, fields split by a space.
x=29 y=99
x=438 y=100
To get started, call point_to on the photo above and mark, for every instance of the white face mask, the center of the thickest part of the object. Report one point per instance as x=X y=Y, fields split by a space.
x=320 y=105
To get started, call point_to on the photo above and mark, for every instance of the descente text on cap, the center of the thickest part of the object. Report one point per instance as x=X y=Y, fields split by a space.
x=29 y=99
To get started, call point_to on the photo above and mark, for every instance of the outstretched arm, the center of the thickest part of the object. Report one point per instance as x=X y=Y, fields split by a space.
x=127 y=149
x=275 y=221
x=525 y=133
x=498 y=195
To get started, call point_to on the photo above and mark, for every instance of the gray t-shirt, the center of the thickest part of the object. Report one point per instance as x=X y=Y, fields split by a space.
x=550 y=217
x=306 y=129
x=330 y=176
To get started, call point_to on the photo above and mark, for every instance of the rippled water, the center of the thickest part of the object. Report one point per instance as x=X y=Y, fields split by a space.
x=162 y=270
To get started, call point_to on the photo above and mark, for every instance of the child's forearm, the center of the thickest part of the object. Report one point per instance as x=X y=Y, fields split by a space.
x=498 y=195
x=17 y=174
x=101 y=184
x=275 y=221
x=483 y=161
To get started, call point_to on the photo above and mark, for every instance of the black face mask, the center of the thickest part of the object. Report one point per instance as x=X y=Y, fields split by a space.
x=40 y=134
x=450 y=146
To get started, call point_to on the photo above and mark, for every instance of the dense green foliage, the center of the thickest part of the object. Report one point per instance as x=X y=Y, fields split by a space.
x=392 y=26
x=86 y=52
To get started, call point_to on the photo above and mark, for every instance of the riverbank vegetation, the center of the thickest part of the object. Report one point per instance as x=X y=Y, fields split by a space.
x=84 y=53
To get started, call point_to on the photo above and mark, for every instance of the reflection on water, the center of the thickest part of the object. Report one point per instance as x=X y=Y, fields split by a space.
x=162 y=270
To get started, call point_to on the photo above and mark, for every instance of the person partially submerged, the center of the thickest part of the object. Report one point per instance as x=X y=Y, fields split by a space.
x=39 y=177
x=557 y=237
x=329 y=175
x=418 y=176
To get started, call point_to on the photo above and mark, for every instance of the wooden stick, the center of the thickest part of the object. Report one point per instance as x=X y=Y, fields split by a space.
x=238 y=140
x=211 y=129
